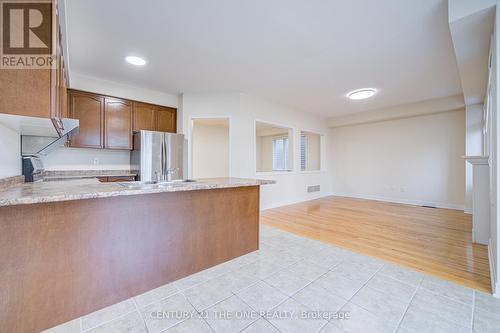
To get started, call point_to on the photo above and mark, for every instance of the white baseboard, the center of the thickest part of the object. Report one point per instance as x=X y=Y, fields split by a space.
x=495 y=285
x=312 y=196
x=496 y=293
x=363 y=196
x=468 y=210
x=401 y=201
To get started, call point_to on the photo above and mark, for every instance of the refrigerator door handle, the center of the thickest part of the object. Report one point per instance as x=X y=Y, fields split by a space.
x=162 y=160
x=165 y=158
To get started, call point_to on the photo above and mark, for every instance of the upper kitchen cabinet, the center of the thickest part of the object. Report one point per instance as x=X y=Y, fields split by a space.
x=38 y=89
x=108 y=122
x=25 y=92
x=166 y=120
x=144 y=117
x=89 y=109
x=117 y=124
x=105 y=122
x=150 y=117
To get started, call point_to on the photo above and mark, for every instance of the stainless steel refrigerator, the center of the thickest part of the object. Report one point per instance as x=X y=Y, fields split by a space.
x=158 y=156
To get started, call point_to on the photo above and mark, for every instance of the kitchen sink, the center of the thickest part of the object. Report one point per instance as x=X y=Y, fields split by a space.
x=149 y=185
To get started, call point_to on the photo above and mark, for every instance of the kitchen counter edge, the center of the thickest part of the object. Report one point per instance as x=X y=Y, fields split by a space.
x=67 y=190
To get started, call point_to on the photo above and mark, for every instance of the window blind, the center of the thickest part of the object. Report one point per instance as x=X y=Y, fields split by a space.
x=303 y=152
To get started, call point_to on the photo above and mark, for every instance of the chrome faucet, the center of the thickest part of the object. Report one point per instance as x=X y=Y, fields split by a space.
x=170 y=172
x=157 y=177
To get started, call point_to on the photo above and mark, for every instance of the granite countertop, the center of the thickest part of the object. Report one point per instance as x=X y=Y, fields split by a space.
x=56 y=175
x=65 y=190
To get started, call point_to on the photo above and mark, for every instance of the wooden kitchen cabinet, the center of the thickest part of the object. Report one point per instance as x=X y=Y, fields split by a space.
x=25 y=92
x=115 y=179
x=37 y=92
x=108 y=122
x=166 y=120
x=116 y=247
x=89 y=110
x=144 y=117
x=104 y=122
x=150 y=117
x=117 y=124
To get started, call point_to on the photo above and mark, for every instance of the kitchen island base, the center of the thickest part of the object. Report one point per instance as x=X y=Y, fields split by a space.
x=62 y=260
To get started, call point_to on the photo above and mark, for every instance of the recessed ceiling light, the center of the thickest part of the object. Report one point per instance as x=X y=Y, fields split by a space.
x=135 y=61
x=361 y=93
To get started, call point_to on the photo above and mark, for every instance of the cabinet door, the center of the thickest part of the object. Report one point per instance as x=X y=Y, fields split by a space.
x=166 y=119
x=117 y=124
x=144 y=117
x=89 y=109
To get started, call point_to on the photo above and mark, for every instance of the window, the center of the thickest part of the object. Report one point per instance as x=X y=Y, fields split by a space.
x=280 y=154
x=310 y=151
x=273 y=148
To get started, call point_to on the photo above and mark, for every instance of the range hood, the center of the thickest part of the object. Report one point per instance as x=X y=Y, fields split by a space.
x=55 y=132
x=39 y=126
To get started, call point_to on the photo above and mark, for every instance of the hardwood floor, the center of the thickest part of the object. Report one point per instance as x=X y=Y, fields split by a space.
x=434 y=241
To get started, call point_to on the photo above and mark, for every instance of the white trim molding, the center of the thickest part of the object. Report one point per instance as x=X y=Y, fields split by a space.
x=495 y=285
x=427 y=107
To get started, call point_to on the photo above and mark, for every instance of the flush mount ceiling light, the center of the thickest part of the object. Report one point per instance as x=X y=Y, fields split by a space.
x=135 y=61
x=361 y=93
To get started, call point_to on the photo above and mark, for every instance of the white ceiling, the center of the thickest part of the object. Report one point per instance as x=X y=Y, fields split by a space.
x=304 y=54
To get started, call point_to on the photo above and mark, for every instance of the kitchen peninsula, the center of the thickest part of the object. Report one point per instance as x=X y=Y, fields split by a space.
x=73 y=247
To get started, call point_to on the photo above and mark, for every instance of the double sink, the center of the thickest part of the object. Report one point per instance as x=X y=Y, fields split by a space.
x=151 y=185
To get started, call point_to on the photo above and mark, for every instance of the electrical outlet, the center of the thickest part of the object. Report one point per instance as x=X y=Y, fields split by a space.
x=402 y=190
x=95 y=161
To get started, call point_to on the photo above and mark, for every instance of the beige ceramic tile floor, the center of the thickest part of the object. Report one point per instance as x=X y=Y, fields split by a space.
x=294 y=284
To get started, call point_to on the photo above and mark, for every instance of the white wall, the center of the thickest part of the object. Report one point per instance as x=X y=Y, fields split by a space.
x=264 y=152
x=87 y=159
x=473 y=146
x=243 y=110
x=459 y=9
x=413 y=160
x=431 y=106
x=10 y=156
x=494 y=249
x=210 y=150
x=115 y=89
